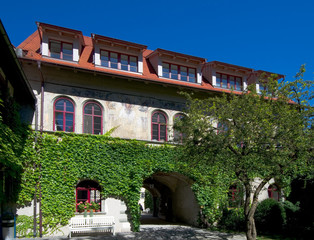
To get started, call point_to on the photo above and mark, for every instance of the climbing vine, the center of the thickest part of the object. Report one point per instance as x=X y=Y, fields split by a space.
x=119 y=166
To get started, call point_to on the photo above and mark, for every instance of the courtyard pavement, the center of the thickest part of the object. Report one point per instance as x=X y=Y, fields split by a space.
x=157 y=229
x=161 y=232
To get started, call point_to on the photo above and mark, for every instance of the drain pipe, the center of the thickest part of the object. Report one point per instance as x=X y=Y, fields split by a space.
x=35 y=194
x=42 y=91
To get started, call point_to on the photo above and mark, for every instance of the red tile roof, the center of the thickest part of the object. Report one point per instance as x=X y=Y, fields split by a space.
x=31 y=48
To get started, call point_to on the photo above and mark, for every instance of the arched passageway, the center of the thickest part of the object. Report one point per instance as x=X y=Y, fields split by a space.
x=172 y=199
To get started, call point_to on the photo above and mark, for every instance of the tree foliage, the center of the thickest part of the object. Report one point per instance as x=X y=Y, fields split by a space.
x=252 y=137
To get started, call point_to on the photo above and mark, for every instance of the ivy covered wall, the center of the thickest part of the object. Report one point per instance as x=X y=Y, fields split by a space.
x=119 y=166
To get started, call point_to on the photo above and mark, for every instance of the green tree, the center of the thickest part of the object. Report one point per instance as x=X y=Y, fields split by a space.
x=254 y=137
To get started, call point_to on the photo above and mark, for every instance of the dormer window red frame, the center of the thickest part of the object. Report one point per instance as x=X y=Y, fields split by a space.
x=159 y=126
x=228 y=81
x=118 y=61
x=178 y=72
x=61 y=50
x=92 y=118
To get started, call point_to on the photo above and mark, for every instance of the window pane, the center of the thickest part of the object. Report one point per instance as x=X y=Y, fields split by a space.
x=124 y=62
x=97 y=125
x=60 y=105
x=88 y=108
x=69 y=122
x=155 y=118
x=239 y=84
x=218 y=80
x=174 y=71
x=69 y=106
x=113 y=60
x=82 y=195
x=192 y=75
x=59 y=121
x=184 y=73
x=165 y=70
x=155 y=132
x=67 y=51
x=163 y=132
x=97 y=110
x=232 y=82
x=162 y=118
x=88 y=124
x=133 y=64
x=224 y=81
x=104 y=58
x=55 y=49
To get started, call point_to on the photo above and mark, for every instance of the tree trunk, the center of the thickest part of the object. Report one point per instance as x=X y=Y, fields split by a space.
x=250 y=228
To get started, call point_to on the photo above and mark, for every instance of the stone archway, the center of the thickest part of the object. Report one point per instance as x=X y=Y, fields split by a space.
x=173 y=198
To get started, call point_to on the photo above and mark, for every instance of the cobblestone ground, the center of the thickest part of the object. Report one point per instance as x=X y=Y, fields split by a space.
x=157 y=232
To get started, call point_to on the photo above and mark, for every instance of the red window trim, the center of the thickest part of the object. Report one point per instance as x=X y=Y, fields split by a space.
x=119 y=60
x=271 y=189
x=61 y=50
x=228 y=82
x=159 y=124
x=88 y=195
x=64 y=112
x=101 y=116
x=179 y=72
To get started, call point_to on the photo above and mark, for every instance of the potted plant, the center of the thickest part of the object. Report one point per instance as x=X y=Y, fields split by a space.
x=95 y=206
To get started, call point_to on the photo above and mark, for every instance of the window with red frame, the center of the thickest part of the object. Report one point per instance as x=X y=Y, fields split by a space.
x=61 y=50
x=235 y=196
x=159 y=126
x=92 y=118
x=178 y=136
x=178 y=72
x=64 y=115
x=228 y=81
x=273 y=192
x=118 y=61
x=88 y=190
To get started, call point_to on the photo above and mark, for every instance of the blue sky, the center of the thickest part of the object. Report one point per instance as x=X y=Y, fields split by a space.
x=270 y=35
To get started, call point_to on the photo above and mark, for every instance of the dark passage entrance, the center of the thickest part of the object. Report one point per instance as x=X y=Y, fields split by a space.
x=171 y=200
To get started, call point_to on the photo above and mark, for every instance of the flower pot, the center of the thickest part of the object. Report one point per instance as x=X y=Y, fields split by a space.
x=8 y=229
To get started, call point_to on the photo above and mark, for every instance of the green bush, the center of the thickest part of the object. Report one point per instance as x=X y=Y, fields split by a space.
x=232 y=219
x=24 y=226
x=270 y=216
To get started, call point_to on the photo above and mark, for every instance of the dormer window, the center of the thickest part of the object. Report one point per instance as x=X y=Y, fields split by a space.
x=228 y=81
x=118 y=61
x=178 y=72
x=61 y=50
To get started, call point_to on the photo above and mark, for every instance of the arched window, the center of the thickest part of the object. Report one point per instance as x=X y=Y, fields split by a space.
x=89 y=191
x=63 y=115
x=159 y=126
x=92 y=118
x=273 y=192
x=177 y=136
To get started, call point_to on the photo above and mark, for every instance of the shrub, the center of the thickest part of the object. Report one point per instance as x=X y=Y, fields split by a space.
x=232 y=219
x=270 y=216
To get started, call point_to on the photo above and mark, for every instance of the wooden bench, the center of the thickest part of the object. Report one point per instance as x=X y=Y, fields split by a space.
x=92 y=224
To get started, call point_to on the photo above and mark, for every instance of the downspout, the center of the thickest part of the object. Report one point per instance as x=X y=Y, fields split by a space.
x=42 y=91
x=35 y=194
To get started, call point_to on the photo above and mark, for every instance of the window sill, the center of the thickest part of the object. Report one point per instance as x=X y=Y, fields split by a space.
x=229 y=89
x=88 y=214
x=118 y=70
x=177 y=80
x=61 y=60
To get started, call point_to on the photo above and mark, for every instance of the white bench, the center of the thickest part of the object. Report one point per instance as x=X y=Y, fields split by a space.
x=92 y=224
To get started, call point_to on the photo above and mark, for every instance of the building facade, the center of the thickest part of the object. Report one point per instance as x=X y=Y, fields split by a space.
x=95 y=84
